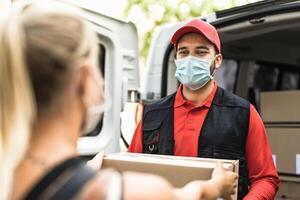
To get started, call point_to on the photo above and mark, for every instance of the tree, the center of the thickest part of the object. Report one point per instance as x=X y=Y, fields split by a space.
x=148 y=15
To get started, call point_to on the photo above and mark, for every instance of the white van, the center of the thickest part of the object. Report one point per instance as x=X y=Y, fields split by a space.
x=260 y=46
x=261 y=51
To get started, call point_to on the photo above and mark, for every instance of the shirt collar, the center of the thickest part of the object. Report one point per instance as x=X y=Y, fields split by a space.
x=180 y=101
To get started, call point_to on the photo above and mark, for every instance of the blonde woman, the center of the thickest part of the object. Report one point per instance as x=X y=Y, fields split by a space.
x=61 y=59
x=16 y=105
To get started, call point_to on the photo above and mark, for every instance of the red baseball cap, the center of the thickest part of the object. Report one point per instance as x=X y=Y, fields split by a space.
x=198 y=26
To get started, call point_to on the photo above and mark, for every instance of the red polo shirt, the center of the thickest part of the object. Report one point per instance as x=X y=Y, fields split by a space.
x=188 y=121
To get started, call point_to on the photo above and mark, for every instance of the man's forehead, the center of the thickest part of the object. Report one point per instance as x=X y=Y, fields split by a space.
x=194 y=38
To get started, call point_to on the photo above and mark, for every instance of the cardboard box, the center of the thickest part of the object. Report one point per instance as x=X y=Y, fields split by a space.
x=177 y=170
x=289 y=188
x=280 y=107
x=285 y=147
x=281 y=114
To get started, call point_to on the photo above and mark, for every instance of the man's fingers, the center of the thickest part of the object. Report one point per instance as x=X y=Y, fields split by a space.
x=219 y=164
x=100 y=155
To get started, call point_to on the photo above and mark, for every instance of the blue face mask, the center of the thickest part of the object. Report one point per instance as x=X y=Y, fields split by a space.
x=193 y=72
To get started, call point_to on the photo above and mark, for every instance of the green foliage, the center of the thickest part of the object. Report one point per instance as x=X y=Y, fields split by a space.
x=148 y=15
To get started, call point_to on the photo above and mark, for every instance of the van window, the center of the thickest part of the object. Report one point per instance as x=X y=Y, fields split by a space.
x=289 y=81
x=265 y=78
x=271 y=77
x=226 y=75
x=101 y=60
x=172 y=82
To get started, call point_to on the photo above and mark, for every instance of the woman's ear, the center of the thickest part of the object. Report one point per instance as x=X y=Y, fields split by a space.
x=82 y=83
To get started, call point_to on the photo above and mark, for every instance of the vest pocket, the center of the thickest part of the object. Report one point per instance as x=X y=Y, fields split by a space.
x=151 y=135
x=151 y=143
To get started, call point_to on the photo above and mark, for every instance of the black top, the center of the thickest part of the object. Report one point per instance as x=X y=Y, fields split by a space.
x=63 y=182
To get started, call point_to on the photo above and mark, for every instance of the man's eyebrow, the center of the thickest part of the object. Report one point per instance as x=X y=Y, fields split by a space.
x=202 y=48
x=182 y=48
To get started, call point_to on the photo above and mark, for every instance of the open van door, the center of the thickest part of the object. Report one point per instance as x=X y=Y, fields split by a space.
x=118 y=42
x=260 y=47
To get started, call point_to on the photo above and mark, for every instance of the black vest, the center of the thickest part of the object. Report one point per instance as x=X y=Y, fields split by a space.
x=223 y=134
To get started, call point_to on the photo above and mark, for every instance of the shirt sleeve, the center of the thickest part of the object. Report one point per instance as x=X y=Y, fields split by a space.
x=136 y=145
x=264 y=180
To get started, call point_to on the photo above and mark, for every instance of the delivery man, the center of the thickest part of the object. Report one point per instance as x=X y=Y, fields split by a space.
x=203 y=120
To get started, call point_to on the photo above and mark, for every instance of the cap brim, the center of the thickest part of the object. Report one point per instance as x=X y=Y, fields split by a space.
x=184 y=30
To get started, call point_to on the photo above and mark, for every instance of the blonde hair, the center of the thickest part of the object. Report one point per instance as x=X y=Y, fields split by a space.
x=16 y=101
x=57 y=40
x=44 y=41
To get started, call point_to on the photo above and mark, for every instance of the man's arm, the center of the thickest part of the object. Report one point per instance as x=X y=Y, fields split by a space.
x=264 y=180
x=136 y=145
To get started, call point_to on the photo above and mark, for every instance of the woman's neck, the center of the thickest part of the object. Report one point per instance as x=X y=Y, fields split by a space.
x=52 y=142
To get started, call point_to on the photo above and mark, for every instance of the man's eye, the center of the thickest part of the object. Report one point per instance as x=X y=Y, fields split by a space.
x=202 y=52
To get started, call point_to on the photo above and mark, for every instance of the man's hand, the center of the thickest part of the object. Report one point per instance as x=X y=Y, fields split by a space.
x=226 y=181
x=96 y=162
